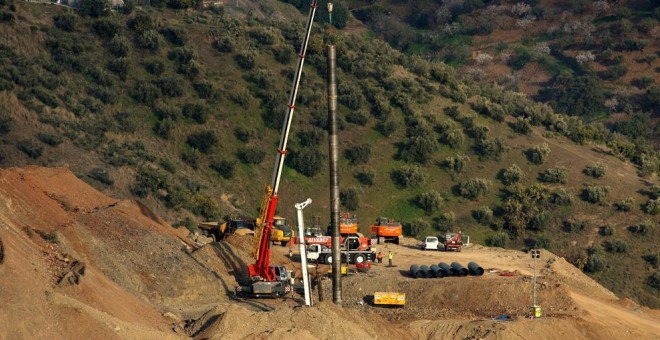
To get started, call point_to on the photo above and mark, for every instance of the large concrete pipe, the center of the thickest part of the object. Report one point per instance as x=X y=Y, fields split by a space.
x=437 y=270
x=415 y=272
x=462 y=271
x=427 y=272
x=475 y=269
x=449 y=271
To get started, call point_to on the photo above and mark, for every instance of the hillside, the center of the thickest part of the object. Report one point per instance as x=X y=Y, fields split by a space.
x=181 y=110
x=88 y=265
x=605 y=50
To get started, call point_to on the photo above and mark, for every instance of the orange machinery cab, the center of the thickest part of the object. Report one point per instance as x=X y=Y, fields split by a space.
x=348 y=224
x=387 y=230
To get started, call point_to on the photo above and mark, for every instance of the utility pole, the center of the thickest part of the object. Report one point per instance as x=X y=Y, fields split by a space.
x=536 y=310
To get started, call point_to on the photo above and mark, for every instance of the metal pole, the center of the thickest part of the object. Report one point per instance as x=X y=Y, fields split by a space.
x=334 y=180
x=303 y=250
x=534 y=286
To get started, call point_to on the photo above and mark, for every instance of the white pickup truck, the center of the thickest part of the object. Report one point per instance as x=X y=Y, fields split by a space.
x=430 y=243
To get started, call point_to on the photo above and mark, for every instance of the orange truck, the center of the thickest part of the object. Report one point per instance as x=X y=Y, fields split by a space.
x=387 y=230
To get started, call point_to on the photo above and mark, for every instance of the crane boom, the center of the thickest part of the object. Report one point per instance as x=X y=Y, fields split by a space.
x=261 y=270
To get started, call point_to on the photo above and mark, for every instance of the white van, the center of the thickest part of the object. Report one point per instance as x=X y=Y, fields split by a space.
x=430 y=243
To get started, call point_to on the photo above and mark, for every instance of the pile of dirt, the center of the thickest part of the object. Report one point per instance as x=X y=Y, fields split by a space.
x=79 y=264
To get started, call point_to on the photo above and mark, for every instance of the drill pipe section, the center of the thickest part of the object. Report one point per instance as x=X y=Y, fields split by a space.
x=449 y=271
x=475 y=269
x=462 y=271
x=416 y=272
x=437 y=270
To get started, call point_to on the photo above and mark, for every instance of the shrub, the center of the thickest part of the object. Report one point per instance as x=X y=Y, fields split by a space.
x=595 y=194
x=164 y=128
x=66 y=21
x=358 y=118
x=30 y=148
x=606 y=230
x=5 y=123
x=50 y=139
x=625 y=204
x=473 y=188
x=358 y=154
x=408 y=176
x=202 y=141
x=575 y=226
x=94 y=8
x=492 y=148
x=308 y=161
x=148 y=40
x=445 y=221
x=118 y=46
x=349 y=199
x=417 y=227
x=538 y=154
x=148 y=180
x=511 y=175
x=175 y=35
x=196 y=111
x=225 y=44
x=596 y=171
x=653 y=281
x=652 y=206
x=106 y=28
x=616 y=246
x=246 y=60
x=554 y=175
x=418 y=148
x=483 y=215
x=643 y=228
x=224 y=168
x=652 y=259
x=101 y=175
x=453 y=137
x=171 y=86
x=167 y=165
x=365 y=176
x=498 y=239
x=146 y=93
x=244 y=134
x=312 y=137
x=204 y=89
x=456 y=163
x=595 y=263
x=141 y=22
x=429 y=201
x=283 y=54
x=120 y=67
x=181 y=4
x=191 y=157
x=155 y=67
x=388 y=127
x=522 y=126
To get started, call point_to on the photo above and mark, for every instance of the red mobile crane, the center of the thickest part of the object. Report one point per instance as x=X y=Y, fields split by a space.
x=270 y=280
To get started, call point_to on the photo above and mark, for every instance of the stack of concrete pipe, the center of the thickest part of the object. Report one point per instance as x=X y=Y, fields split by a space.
x=442 y=269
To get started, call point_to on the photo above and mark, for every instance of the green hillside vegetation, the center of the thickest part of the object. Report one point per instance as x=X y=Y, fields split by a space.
x=183 y=110
x=594 y=59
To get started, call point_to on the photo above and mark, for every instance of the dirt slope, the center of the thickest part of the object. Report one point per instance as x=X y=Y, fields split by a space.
x=131 y=267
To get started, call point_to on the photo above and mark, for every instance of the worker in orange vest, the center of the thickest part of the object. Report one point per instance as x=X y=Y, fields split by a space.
x=379 y=257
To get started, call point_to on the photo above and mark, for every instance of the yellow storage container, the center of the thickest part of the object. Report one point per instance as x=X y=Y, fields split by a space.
x=344 y=269
x=536 y=311
x=390 y=298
